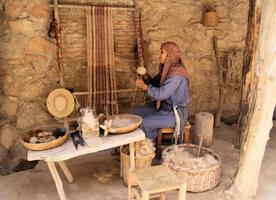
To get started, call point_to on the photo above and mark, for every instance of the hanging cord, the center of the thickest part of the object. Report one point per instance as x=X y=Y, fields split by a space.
x=138 y=29
x=58 y=43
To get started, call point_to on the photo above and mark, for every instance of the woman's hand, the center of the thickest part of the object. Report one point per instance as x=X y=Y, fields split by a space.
x=140 y=84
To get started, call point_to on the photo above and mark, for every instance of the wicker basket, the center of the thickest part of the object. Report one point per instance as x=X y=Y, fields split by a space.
x=140 y=163
x=198 y=180
x=42 y=146
x=210 y=16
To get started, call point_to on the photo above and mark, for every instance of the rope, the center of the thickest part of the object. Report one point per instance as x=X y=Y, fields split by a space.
x=58 y=44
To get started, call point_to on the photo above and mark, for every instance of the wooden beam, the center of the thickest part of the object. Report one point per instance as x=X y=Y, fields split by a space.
x=261 y=103
x=248 y=69
x=102 y=92
x=84 y=6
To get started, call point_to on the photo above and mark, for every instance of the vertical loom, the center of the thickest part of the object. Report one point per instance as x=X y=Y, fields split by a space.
x=101 y=77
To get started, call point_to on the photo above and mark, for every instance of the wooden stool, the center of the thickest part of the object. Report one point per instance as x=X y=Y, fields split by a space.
x=153 y=182
x=167 y=133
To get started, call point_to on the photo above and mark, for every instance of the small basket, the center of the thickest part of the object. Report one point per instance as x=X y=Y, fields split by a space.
x=210 y=16
x=198 y=180
x=140 y=163
x=43 y=146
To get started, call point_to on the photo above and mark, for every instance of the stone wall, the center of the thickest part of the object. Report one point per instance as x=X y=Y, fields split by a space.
x=27 y=60
x=28 y=66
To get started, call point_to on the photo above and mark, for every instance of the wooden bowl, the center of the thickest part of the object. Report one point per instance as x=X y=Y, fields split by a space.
x=42 y=146
x=124 y=123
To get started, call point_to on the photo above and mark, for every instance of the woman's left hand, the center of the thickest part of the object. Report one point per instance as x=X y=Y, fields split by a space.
x=140 y=84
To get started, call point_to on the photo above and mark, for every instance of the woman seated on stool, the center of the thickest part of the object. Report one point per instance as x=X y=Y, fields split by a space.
x=169 y=88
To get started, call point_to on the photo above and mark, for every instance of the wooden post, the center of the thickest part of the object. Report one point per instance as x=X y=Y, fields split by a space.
x=220 y=83
x=261 y=104
x=248 y=68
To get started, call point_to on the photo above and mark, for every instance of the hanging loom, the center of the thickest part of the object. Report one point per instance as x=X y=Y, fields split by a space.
x=101 y=75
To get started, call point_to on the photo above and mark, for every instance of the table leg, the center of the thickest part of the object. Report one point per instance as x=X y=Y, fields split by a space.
x=132 y=158
x=162 y=196
x=182 y=192
x=145 y=196
x=121 y=161
x=66 y=171
x=57 y=180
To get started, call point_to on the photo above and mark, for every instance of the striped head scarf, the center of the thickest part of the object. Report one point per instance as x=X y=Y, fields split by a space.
x=173 y=65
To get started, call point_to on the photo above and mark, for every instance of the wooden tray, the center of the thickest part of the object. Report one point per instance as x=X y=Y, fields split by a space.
x=123 y=123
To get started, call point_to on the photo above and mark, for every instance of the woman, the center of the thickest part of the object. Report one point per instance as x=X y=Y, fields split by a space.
x=172 y=92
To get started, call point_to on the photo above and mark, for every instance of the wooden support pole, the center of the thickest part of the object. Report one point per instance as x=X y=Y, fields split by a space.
x=248 y=69
x=220 y=83
x=261 y=103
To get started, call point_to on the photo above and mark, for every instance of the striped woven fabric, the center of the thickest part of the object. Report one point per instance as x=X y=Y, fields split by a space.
x=101 y=75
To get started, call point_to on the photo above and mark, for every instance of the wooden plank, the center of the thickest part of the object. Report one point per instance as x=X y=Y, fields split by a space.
x=67 y=150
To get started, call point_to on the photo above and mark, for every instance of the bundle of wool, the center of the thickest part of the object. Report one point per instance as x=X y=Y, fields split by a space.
x=141 y=70
x=180 y=158
x=142 y=148
x=89 y=123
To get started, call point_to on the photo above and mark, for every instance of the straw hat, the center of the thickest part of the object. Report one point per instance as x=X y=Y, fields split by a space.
x=60 y=103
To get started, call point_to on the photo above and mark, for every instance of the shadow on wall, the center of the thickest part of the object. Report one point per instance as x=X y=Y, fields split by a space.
x=274 y=114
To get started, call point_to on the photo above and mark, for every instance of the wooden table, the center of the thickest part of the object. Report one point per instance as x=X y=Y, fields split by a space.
x=67 y=151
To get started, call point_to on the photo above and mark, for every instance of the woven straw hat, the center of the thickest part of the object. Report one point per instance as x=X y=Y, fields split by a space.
x=60 y=103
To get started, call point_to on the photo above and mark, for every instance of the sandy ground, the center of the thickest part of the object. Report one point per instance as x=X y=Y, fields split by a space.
x=97 y=176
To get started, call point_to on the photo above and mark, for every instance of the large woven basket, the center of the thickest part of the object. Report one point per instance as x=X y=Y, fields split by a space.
x=140 y=163
x=43 y=146
x=198 y=180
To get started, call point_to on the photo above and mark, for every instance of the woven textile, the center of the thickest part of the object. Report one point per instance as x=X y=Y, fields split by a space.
x=101 y=75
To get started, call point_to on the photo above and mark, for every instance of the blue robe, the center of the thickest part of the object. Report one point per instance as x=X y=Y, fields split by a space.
x=174 y=91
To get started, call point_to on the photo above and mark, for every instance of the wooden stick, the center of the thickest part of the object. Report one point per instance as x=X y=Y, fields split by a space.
x=220 y=82
x=133 y=99
x=101 y=92
x=58 y=43
x=139 y=35
x=87 y=5
x=200 y=145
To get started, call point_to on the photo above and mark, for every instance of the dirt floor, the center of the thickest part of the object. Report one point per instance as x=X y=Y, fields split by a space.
x=97 y=176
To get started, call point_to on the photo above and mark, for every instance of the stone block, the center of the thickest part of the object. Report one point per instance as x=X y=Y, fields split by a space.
x=41 y=46
x=8 y=108
x=38 y=8
x=32 y=114
x=21 y=26
x=14 y=8
x=8 y=135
